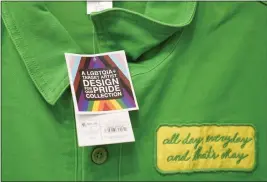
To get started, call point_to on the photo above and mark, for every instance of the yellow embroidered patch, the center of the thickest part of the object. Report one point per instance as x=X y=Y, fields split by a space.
x=205 y=148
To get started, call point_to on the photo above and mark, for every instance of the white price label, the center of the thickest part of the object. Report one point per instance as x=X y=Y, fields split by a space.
x=100 y=129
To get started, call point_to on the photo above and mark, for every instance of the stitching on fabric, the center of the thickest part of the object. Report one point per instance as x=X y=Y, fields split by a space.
x=24 y=57
x=130 y=17
x=62 y=84
x=173 y=46
x=22 y=53
x=128 y=14
x=205 y=170
x=32 y=66
x=192 y=9
x=171 y=51
x=69 y=39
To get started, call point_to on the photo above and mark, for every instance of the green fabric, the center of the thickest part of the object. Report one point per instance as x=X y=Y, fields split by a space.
x=190 y=62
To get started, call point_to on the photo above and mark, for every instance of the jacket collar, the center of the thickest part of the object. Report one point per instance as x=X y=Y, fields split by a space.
x=37 y=29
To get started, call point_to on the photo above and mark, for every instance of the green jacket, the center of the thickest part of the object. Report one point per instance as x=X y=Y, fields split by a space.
x=199 y=74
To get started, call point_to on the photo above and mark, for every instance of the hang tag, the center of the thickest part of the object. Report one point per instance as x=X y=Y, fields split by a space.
x=99 y=129
x=95 y=6
x=102 y=93
x=101 y=83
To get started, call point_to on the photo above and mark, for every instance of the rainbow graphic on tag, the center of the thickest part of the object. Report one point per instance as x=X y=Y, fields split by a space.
x=101 y=82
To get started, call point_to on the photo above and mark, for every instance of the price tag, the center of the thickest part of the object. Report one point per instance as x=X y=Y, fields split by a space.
x=102 y=93
x=99 y=129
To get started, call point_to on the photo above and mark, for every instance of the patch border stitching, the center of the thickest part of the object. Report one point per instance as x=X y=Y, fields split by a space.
x=211 y=169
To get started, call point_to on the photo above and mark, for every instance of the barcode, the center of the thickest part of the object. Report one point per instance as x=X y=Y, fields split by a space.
x=115 y=129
